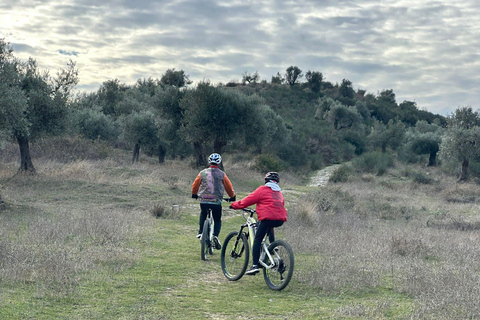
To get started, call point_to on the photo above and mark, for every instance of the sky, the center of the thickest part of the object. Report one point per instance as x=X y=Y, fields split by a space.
x=425 y=51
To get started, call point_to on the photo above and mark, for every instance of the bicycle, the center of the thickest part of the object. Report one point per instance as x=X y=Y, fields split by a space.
x=276 y=259
x=207 y=240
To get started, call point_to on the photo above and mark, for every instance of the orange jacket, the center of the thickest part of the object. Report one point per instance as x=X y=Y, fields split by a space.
x=210 y=184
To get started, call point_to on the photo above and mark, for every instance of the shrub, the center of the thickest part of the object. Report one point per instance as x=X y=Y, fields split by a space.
x=268 y=162
x=93 y=125
x=374 y=162
x=341 y=174
x=162 y=210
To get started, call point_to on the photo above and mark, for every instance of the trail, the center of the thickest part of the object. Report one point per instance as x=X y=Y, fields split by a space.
x=320 y=178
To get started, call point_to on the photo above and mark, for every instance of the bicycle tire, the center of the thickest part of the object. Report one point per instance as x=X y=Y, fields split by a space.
x=278 y=277
x=234 y=256
x=205 y=241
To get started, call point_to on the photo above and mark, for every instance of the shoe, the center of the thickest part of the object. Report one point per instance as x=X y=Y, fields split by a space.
x=253 y=270
x=217 y=243
x=199 y=236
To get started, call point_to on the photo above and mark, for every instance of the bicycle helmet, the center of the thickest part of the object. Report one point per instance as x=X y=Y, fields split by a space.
x=272 y=176
x=214 y=158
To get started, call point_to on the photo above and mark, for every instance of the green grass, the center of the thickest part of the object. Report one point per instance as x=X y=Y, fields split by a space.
x=156 y=272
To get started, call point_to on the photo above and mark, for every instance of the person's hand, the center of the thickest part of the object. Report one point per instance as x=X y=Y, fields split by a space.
x=194 y=196
x=234 y=198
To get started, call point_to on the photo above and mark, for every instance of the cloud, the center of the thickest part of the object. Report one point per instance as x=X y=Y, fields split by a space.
x=425 y=51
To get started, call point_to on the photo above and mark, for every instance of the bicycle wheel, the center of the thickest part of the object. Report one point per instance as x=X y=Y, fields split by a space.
x=278 y=277
x=234 y=256
x=205 y=239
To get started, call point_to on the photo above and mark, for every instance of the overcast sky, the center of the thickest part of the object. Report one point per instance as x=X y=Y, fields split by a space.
x=425 y=51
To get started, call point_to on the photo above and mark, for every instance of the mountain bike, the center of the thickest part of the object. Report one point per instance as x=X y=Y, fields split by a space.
x=206 y=240
x=276 y=259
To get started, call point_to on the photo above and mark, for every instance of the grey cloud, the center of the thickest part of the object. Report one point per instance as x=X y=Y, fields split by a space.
x=424 y=51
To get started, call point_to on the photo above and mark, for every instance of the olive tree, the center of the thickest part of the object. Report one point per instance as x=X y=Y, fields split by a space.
x=292 y=75
x=461 y=141
x=389 y=135
x=32 y=104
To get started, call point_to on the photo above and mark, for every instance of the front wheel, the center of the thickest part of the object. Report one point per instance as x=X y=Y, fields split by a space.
x=205 y=241
x=278 y=277
x=234 y=256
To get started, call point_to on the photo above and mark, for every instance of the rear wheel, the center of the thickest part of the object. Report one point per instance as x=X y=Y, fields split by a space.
x=234 y=256
x=278 y=277
x=205 y=240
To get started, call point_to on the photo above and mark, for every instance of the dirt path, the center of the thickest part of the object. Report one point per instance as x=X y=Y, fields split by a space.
x=320 y=178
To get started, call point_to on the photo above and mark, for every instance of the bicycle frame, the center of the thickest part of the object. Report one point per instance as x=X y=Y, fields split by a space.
x=212 y=224
x=251 y=224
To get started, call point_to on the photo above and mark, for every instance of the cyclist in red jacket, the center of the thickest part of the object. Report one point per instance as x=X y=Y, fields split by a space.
x=271 y=213
x=209 y=186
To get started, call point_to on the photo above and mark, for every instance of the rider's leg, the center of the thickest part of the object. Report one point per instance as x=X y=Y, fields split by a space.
x=271 y=235
x=203 y=217
x=217 y=218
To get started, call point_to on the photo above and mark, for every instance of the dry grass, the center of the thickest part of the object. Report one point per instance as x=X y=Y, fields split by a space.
x=391 y=231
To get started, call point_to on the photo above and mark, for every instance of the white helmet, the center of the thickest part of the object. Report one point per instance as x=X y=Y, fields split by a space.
x=214 y=158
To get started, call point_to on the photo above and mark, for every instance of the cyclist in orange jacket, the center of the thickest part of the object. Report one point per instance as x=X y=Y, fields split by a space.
x=209 y=186
x=271 y=213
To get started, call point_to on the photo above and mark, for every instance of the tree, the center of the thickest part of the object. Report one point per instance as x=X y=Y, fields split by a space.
x=31 y=103
x=343 y=117
x=111 y=92
x=390 y=135
x=140 y=129
x=461 y=141
x=278 y=79
x=212 y=114
x=346 y=89
x=314 y=80
x=250 y=78
x=425 y=138
x=175 y=78
x=292 y=75
x=384 y=106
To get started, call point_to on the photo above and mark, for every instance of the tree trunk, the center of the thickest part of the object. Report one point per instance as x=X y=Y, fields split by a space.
x=136 y=153
x=218 y=145
x=199 y=154
x=26 y=165
x=464 y=174
x=432 y=160
x=161 y=153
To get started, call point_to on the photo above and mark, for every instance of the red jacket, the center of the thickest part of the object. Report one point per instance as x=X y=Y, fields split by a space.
x=270 y=204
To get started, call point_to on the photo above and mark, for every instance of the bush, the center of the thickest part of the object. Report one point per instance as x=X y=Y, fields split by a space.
x=93 y=125
x=267 y=162
x=341 y=174
x=373 y=162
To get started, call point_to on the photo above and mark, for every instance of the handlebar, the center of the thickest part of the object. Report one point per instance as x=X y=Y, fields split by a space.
x=250 y=212
x=196 y=197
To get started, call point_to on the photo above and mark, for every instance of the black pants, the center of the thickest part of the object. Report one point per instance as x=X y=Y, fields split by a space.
x=265 y=227
x=217 y=217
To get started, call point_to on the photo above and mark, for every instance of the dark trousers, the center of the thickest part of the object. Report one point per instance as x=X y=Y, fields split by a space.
x=217 y=217
x=265 y=227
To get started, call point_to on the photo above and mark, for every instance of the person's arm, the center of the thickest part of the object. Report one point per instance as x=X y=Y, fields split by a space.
x=228 y=186
x=196 y=184
x=252 y=198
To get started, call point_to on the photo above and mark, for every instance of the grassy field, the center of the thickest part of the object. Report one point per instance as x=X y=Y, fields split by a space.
x=105 y=239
